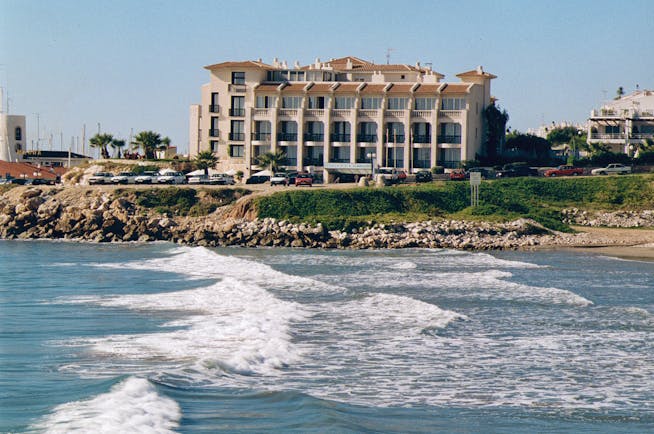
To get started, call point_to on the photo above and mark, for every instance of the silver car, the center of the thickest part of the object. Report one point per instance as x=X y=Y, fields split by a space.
x=124 y=178
x=171 y=178
x=147 y=177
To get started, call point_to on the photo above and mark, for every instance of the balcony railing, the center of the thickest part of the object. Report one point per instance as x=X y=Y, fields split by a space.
x=313 y=137
x=289 y=162
x=607 y=136
x=395 y=113
x=312 y=161
x=397 y=138
x=339 y=160
x=237 y=88
x=449 y=164
x=288 y=112
x=237 y=136
x=261 y=112
x=449 y=139
x=422 y=138
x=369 y=138
x=450 y=113
x=421 y=113
x=368 y=112
x=240 y=112
x=213 y=133
x=341 y=112
x=642 y=135
x=318 y=113
x=287 y=137
x=335 y=137
x=214 y=108
x=421 y=164
x=261 y=137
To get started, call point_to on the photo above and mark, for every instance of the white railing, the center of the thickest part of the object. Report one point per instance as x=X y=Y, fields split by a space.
x=344 y=113
x=421 y=113
x=369 y=113
x=395 y=113
x=237 y=87
x=318 y=113
x=607 y=136
x=450 y=113
x=261 y=112
x=288 y=112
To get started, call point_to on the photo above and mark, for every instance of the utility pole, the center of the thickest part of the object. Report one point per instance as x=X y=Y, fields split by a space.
x=388 y=55
x=84 y=139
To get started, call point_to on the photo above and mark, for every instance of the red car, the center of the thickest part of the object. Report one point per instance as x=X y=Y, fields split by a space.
x=458 y=175
x=564 y=171
x=303 y=179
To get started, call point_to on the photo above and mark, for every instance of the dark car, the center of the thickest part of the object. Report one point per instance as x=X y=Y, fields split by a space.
x=424 y=176
x=486 y=173
x=257 y=179
x=514 y=171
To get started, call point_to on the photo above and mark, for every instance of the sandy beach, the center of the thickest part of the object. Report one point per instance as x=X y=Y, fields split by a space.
x=635 y=244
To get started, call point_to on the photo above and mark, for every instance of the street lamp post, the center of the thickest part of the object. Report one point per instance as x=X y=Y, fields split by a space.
x=372 y=156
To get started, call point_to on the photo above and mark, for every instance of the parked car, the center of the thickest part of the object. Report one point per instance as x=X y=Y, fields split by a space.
x=16 y=181
x=199 y=179
x=221 y=179
x=257 y=179
x=611 y=169
x=100 y=178
x=124 y=178
x=458 y=175
x=389 y=175
x=424 y=176
x=303 y=179
x=147 y=177
x=171 y=178
x=486 y=173
x=401 y=176
x=279 y=179
x=43 y=181
x=510 y=171
x=564 y=171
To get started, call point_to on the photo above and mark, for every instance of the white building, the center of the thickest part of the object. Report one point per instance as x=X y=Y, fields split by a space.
x=623 y=122
x=12 y=137
x=333 y=117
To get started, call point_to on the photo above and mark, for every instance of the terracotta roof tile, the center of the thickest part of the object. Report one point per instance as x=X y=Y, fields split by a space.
x=431 y=89
x=22 y=170
x=294 y=87
x=401 y=88
x=456 y=88
x=347 y=88
x=243 y=64
x=373 y=89
x=321 y=87
x=476 y=73
x=267 y=88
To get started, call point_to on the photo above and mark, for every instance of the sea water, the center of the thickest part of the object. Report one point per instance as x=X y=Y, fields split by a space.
x=161 y=338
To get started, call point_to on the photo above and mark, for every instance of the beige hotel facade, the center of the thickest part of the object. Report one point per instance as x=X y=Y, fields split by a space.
x=333 y=118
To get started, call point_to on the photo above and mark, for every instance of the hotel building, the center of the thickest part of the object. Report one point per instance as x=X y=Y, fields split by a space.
x=623 y=122
x=340 y=116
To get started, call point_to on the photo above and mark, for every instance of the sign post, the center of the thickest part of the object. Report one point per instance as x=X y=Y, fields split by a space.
x=475 y=181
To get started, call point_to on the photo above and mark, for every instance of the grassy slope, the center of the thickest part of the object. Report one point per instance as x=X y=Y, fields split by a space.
x=539 y=198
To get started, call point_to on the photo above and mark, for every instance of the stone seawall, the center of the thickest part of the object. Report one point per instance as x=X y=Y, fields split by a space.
x=104 y=216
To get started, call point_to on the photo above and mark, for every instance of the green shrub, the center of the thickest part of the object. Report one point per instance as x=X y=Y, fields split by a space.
x=438 y=170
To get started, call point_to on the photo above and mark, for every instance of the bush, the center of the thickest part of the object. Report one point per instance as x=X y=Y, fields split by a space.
x=438 y=170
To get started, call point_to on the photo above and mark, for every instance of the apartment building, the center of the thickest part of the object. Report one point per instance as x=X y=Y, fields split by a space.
x=340 y=116
x=623 y=122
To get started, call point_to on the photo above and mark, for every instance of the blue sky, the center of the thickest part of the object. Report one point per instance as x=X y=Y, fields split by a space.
x=139 y=64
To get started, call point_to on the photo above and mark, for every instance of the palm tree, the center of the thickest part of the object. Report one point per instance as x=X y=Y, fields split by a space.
x=117 y=144
x=149 y=141
x=101 y=141
x=272 y=160
x=205 y=160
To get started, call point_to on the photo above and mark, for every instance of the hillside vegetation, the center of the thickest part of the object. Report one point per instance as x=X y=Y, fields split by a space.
x=538 y=198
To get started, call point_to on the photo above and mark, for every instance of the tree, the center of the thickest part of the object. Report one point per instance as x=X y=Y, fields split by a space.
x=117 y=144
x=619 y=93
x=205 y=160
x=529 y=145
x=101 y=141
x=149 y=141
x=272 y=160
x=495 y=127
x=563 y=135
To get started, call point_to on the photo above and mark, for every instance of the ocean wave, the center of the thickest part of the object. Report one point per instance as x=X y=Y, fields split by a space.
x=132 y=405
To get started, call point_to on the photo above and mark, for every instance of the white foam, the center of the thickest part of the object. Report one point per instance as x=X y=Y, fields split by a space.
x=131 y=406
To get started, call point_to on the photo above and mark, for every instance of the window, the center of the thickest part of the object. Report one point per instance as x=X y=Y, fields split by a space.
x=453 y=104
x=394 y=132
x=317 y=102
x=237 y=131
x=396 y=103
x=612 y=129
x=19 y=133
x=291 y=102
x=213 y=107
x=236 y=151
x=213 y=130
x=265 y=101
x=238 y=77
x=213 y=144
x=19 y=147
x=370 y=103
x=343 y=102
x=238 y=106
x=296 y=75
x=450 y=133
x=425 y=103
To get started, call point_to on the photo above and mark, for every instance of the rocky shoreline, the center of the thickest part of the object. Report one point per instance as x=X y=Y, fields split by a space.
x=102 y=216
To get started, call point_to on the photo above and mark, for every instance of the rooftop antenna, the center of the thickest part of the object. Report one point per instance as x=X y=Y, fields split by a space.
x=388 y=55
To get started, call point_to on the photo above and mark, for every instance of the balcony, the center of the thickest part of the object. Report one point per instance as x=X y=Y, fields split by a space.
x=261 y=137
x=239 y=88
x=421 y=164
x=450 y=164
x=316 y=113
x=368 y=112
x=422 y=138
x=287 y=137
x=642 y=136
x=240 y=112
x=453 y=114
x=341 y=113
x=312 y=161
x=367 y=138
x=263 y=112
x=334 y=137
x=313 y=137
x=339 y=160
x=449 y=139
x=397 y=138
x=607 y=136
x=395 y=113
x=291 y=113
x=237 y=136
x=214 y=108
x=214 y=133
x=289 y=162
x=424 y=114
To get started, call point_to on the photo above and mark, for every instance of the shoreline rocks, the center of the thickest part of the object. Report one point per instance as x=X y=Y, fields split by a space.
x=98 y=216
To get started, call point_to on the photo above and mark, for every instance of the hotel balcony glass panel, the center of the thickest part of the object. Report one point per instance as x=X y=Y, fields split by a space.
x=214 y=108
x=370 y=138
x=213 y=133
x=237 y=136
x=422 y=138
x=340 y=137
x=397 y=138
x=421 y=164
x=312 y=161
x=314 y=137
x=287 y=137
x=237 y=112
x=262 y=137
x=289 y=162
x=449 y=139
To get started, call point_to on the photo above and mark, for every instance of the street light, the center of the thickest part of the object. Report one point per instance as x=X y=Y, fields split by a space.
x=372 y=156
